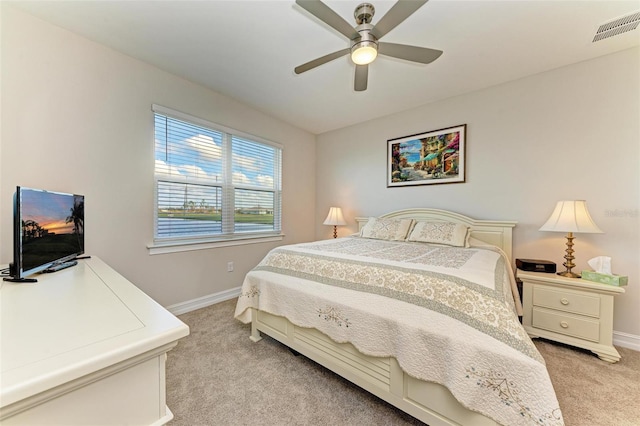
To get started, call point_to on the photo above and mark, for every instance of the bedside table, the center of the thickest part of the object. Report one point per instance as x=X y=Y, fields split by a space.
x=570 y=310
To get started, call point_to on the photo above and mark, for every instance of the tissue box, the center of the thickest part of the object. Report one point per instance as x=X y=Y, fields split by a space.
x=616 y=280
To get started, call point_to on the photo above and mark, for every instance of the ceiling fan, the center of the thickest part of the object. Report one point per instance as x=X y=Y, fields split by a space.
x=365 y=44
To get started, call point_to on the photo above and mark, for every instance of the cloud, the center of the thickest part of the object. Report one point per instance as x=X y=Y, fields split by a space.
x=186 y=171
x=413 y=146
x=241 y=178
x=265 y=181
x=193 y=172
x=262 y=181
x=246 y=163
x=205 y=146
x=166 y=169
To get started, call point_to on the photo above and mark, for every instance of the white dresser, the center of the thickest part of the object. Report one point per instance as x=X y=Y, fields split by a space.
x=570 y=310
x=83 y=346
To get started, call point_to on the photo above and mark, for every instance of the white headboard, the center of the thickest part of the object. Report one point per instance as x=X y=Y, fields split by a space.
x=496 y=232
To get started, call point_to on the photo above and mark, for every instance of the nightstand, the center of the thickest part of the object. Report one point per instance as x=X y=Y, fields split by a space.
x=570 y=310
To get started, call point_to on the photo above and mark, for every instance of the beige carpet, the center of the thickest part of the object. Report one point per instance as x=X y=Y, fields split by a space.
x=217 y=376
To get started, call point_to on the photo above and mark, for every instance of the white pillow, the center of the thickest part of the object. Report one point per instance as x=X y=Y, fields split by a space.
x=386 y=229
x=449 y=233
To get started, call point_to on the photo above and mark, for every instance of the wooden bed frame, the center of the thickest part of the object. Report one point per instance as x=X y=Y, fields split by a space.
x=429 y=402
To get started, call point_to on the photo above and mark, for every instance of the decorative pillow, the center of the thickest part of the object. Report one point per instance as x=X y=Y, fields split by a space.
x=449 y=233
x=386 y=229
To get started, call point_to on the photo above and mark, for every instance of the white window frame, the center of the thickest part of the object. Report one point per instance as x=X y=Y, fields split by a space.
x=227 y=237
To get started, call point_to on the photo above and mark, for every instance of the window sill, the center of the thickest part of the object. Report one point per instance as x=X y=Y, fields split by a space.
x=190 y=245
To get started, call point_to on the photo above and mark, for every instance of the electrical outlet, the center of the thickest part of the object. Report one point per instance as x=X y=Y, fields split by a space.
x=229 y=266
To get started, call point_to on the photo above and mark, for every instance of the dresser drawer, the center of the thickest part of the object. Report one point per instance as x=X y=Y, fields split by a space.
x=570 y=325
x=567 y=301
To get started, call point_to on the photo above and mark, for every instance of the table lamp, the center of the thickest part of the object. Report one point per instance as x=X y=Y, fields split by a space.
x=335 y=218
x=570 y=217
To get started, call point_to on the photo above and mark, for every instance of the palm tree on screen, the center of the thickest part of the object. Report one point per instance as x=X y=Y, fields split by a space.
x=77 y=217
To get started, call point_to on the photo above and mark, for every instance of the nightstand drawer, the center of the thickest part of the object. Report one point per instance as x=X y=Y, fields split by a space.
x=582 y=328
x=567 y=301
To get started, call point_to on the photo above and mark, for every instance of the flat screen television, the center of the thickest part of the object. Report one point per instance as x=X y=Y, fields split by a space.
x=48 y=230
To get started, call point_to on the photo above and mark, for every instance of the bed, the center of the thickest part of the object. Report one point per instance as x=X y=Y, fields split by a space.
x=419 y=308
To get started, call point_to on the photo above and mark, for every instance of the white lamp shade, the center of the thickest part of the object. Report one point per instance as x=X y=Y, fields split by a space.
x=335 y=217
x=571 y=216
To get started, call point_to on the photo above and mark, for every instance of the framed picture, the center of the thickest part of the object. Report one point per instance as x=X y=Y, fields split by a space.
x=427 y=158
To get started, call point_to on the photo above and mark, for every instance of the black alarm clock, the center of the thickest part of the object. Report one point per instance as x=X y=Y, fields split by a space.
x=536 y=265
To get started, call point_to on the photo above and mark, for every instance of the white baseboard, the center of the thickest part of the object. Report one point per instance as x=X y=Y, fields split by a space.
x=626 y=340
x=203 y=302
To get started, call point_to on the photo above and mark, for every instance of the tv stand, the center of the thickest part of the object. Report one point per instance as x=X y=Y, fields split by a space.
x=86 y=347
x=20 y=280
x=11 y=278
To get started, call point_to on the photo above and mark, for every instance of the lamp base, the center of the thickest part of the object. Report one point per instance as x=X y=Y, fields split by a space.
x=568 y=274
x=569 y=259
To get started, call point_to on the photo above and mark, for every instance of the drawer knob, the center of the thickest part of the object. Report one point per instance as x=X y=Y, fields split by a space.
x=564 y=324
x=564 y=301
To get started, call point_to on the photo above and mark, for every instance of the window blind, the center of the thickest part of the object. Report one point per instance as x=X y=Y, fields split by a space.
x=213 y=182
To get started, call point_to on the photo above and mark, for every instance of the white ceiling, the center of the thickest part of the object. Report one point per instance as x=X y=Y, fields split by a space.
x=248 y=49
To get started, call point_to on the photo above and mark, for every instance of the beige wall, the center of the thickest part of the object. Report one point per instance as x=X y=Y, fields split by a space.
x=572 y=133
x=76 y=117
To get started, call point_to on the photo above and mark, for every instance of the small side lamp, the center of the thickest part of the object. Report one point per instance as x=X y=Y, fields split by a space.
x=336 y=219
x=570 y=217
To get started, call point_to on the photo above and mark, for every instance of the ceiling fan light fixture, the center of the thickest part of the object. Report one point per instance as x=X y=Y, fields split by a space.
x=364 y=52
x=364 y=46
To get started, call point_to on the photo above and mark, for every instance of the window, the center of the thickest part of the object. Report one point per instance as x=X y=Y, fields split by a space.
x=213 y=183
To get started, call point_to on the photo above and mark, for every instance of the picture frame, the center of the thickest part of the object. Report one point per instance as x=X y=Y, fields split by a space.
x=429 y=158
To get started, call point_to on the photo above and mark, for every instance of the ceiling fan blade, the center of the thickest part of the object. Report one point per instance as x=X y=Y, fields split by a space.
x=328 y=16
x=398 y=13
x=319 y=61
x=422 y=55
x=360 y=81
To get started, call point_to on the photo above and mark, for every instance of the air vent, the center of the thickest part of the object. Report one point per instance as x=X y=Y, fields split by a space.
x=618 y=26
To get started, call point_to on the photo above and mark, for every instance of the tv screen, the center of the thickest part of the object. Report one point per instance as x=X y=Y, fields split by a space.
x=48 y=227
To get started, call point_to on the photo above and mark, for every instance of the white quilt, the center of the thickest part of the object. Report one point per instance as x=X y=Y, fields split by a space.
x=447 y=314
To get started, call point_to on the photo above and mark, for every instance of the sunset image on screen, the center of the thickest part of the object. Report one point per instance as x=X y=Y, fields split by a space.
x=49 y=211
